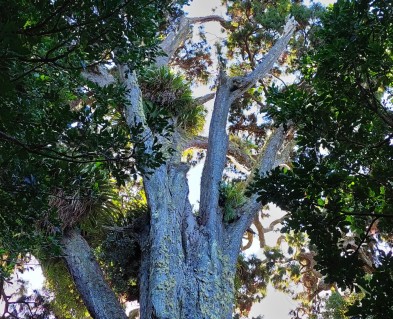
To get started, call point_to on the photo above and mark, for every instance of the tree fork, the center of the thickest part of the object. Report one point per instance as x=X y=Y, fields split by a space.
x=188 y=260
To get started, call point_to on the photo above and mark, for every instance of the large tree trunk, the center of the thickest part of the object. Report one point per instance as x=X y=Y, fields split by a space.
x=97 y=296
x=186 y=269
x=188 y=258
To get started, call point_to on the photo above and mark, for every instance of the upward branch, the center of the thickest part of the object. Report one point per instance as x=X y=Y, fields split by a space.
x=246 y=213
x=176 y=38
x=242 y=84
x=230 y=89
x=173 y=41
x=134 y=109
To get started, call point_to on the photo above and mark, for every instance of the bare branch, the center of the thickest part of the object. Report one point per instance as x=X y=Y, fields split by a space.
x=247 y=212
x=230 y=89
x=210 y=18
x=88 y=277
x=274 y=223
x=134 y=113
x=250 y=239
x=233 y=151
x=205 y=98
x=270 y=151
x=260 y=231
x=173 y=41
x=242 y=84
x=176 y=38
x=216 y=153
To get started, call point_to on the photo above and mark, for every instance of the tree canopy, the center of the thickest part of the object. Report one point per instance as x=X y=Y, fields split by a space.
x=99 y=127
x=62 y=136
x=338 y=187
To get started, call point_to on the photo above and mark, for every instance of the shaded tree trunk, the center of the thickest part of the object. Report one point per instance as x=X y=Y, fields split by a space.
x=186 y=270
x=188 y=258
x=97 y=296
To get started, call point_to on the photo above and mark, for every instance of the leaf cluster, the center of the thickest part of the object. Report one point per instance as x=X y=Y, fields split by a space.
x=339 y=190
x=231 y=197
x=59 y=133
x=171 y=95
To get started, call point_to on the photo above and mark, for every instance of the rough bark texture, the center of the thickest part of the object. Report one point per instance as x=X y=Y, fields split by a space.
x=184 y=273
x=97 y=296
x=188 y=258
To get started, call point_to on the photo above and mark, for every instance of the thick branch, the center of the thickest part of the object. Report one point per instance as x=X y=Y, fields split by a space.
x=252 y=207
x=134 y=112
x=100 y=300
x=176 y=38
x=228 y=90
x=242 y=84
x=216 y=152
x=205 y=98
x=173 y=41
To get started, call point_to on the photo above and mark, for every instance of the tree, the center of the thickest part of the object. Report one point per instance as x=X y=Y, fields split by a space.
x=338 y=188
x=61 y=135
x=188 y=259
x=136 y=119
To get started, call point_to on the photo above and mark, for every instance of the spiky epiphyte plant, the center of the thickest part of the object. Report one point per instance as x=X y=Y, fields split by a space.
x=231 y=197
x=90 y=201
x=171 y=93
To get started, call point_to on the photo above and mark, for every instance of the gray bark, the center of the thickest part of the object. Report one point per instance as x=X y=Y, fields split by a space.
x=248 y=210
x=229 y=90
x=185 y=272
x=188 y=259
x=97 y=296
x=176 y=38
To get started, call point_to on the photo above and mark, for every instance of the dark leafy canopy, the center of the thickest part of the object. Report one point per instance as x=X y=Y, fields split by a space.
x=57 y=130
x=340 y=187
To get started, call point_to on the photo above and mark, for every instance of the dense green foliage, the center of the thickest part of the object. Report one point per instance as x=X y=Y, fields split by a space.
x=64 y=142
x=63 y=139
x=169 y=94
x=339 y=190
